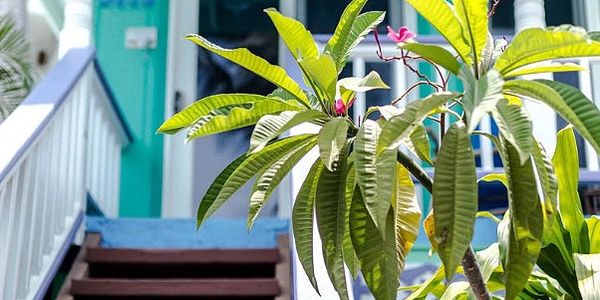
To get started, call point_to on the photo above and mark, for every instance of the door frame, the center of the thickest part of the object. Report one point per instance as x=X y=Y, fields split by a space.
x=181 y=90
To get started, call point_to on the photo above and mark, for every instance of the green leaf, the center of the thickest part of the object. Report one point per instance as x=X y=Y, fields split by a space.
x=455 y=290
x=419 y=141
x=233 y=117
x=298 y=40
x=548 y=182
x=256 y=65
x=473 y=15
x=587 y=267
x=241 y=170
x=270 y=127
x=526 y=221
x=545 y=68
x=400 y=126
x=566 y=165
x=428 y=285
x=454 y=197
x=407 y=212
x=553 y=263
x=348 y=87
x=188 y=116
x=515 y=126
x=488 y=260
x=350 y=256
x=337 y=44
x=481 y=95
x=442 y=16
x=501 y=177
x=302 y=220
x=363 y=25
x=436 y=55
x=332 y=139
x=593 y=224
x=380 y=262
x=270 y=178
x=320 y=73
x=330 y=204
x=568 y=101
x=374 y=173
x=536 y=45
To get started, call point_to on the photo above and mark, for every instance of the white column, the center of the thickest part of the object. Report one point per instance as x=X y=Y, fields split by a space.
x=77 y=29
x=531 y=14
x=178 y=163
x=17 y=9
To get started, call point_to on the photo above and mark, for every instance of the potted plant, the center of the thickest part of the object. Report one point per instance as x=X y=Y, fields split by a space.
x=360 y=189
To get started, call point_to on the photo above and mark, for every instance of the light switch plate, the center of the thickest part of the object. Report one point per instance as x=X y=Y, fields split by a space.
x=139 y=38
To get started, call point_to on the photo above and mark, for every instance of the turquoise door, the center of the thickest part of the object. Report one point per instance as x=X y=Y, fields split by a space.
x=137 y=78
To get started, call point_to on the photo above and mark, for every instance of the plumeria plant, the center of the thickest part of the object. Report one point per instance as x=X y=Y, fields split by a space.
x=360 y=189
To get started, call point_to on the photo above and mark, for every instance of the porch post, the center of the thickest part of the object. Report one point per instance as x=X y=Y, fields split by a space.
x=531 y=14
x=77 y=29
x=17 y=9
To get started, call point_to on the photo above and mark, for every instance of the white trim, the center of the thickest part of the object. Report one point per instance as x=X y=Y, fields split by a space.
x=178 y=159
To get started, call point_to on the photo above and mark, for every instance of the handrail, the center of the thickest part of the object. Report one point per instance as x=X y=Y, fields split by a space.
x=61 y=144
x=16 y=137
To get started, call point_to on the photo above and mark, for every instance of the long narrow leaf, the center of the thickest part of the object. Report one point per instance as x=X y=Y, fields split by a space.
x=330 y=204
x=454 y=197
x=302 y=221
x=255 y=64
x=235 y=176
x=336 y=46
x=380 y=262
x=332 y=139
x=568 y=101
x=526 y=222
x=587 y=267
x=269 y=179
x=298 y=40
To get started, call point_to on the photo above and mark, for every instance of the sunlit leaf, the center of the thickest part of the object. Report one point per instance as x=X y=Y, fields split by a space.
x=401 y=126
x=593 y=224
x=481 y=95
x=332 y=139
x=473 y=15
x=587 y=267
x=270 y=127
x=407 y=211
x=362 y=26
x=515 y=126
x=566 y=165
x=338 y=44
x=545 y=68
x=436 y=55
x=255 y=64
x=298 y=40
x=320 y=73
x=443 y=18
x=567 y=100
x=538 y=44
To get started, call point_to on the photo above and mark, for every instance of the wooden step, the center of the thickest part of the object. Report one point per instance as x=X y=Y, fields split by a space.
x=175 y=287
x=172 y=256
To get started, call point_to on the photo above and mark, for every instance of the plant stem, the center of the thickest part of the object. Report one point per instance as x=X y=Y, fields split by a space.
x=468 y=261
x=473 y=274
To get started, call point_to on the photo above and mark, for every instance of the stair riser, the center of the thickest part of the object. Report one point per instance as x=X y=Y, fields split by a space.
x=181 y=270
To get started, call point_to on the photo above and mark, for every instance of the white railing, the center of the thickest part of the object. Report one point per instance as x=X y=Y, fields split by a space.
x=46 y=149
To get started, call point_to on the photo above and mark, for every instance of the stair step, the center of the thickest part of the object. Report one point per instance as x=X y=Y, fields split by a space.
x=175 y=288
x=156 y=256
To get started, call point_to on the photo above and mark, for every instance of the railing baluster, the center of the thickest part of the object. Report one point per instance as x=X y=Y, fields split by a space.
x=8 y=209
x=12 y=227
x=19 y=260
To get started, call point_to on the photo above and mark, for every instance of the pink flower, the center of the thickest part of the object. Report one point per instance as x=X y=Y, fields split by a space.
x=340 y=107
x=404 y=35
